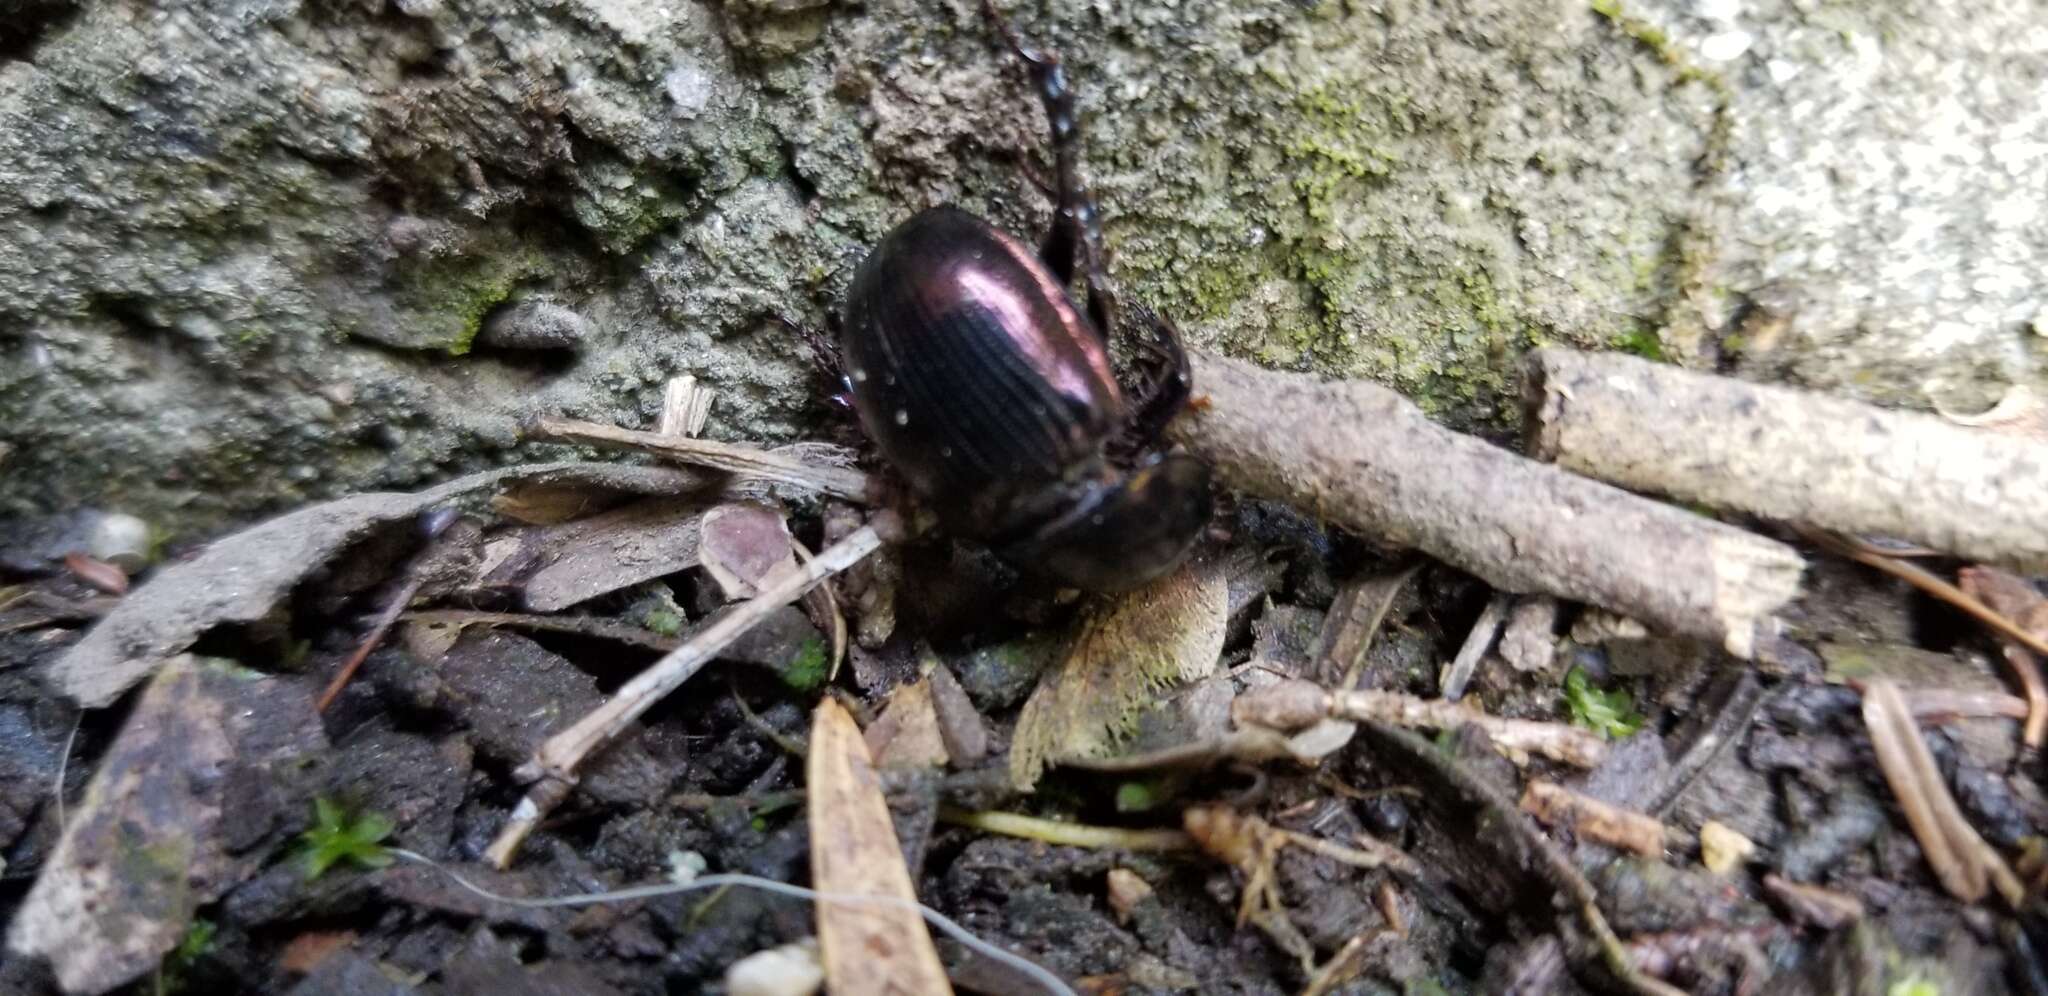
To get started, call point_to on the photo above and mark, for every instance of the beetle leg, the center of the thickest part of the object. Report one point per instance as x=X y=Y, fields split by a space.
x=1076 y=225
x=1166 y=391
x=825 y=355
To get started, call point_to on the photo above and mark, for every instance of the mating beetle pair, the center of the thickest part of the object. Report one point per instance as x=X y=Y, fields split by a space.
x=991 y=393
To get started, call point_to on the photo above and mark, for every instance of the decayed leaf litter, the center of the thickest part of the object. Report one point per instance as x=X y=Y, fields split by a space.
x=1186 y=623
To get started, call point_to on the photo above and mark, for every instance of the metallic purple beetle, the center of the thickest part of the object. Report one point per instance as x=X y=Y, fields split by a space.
x=991 y=393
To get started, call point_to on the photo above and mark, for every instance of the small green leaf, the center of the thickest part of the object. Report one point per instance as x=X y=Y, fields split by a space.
x=664 y=621
x=336 y=837
x=1610 y=714
x=807 y=668
x=1139 y=797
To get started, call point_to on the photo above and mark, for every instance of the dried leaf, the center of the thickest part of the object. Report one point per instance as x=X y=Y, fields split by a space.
x=243 y=577
x=98 y=573
x=574 y=562
x=960 y=726
x=906 y=734
x=1129 y=648
x=869 y=947
x=745 y=548
x=304 y=953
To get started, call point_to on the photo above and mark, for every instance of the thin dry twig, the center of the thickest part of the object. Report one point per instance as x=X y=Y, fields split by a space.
x=371 y=640
x=1477 y=643
x=1290 y=705
x=591 y=626
x=1066 y=834
x=1961 y=859
x=2024 y=669
x=2015 y=598
x=1593 y=819
x=553 y=767
x=840 y=482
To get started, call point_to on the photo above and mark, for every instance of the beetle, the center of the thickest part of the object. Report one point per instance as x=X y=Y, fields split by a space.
x=991 y=393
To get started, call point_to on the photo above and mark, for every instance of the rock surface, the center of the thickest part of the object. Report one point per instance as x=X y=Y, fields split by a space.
x=246 y=246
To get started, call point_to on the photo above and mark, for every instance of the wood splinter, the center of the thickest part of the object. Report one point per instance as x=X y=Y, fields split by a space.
x=553 y=767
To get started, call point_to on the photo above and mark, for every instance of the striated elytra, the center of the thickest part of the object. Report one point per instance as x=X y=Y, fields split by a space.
x=990 y=391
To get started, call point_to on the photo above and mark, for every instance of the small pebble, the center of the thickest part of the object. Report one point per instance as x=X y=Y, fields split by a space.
x=790 y=970
x=119 y=539
x=534 y=324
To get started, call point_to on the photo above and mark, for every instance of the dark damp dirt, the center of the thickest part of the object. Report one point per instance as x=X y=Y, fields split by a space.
x=428 y=734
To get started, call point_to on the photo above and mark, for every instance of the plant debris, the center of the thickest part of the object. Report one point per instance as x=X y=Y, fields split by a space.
x=1164 y=634
x=866 y=947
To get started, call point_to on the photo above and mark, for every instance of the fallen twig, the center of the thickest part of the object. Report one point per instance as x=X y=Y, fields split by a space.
x=1066 y=834
x=1291 y=705
x=1791 y=455
x=2014 y=598
x=1729 y=724
x=2024 y=669
x=1477 y=642
x=1961 y=859
x=1366 y=458
x=591 y=626
x=840 y=482
x=1594 y=820
x=370 y=641
x=1522 y=848
x=553 y=768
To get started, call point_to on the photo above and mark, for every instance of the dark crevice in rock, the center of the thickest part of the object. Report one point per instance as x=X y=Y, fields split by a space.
x=25 y=27
x=805 y=186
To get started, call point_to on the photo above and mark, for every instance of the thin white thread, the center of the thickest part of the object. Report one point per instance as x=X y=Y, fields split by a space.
x=63 y=764
x=1049 y=982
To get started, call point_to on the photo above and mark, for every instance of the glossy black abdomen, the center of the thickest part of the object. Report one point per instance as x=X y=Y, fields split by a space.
x=973 y=371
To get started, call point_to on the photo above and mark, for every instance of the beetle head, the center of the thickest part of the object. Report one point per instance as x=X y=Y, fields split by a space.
x=1122 y=534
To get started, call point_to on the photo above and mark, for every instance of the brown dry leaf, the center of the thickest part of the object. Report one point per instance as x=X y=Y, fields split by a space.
x=869 y=947
x=574 y=562
x=906 y=734
x=243 y=577
x=98 y=573
x=960 y=726
x=304 y=953
x=1129 y=648
x=746 y=547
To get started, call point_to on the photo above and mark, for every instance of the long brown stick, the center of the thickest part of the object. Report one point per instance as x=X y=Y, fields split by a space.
x=1792 y=455
x=1365 y=458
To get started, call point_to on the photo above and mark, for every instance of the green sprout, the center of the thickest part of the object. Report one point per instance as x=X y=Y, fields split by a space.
x=1610 y=714
x=196 y=944
x=663 y=620
x=808 y=667
x=336 y=837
